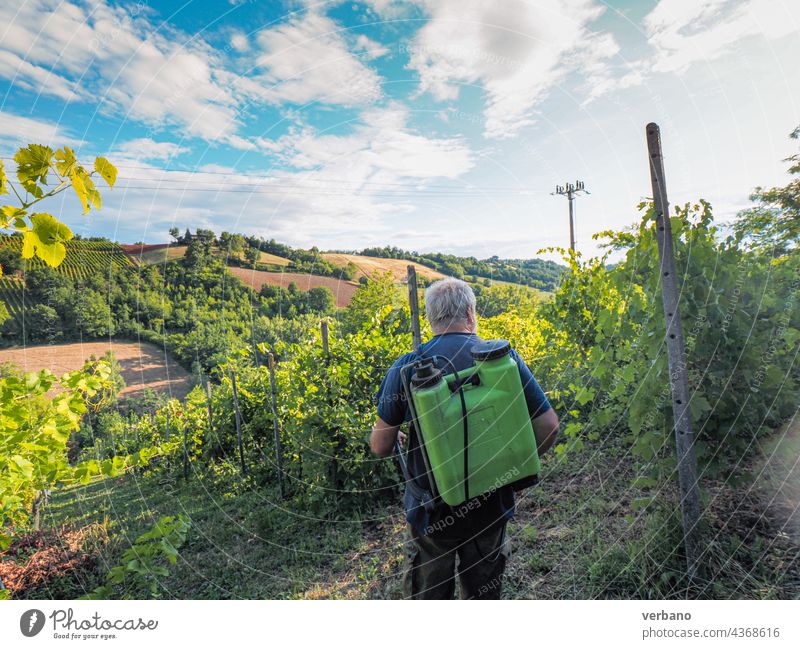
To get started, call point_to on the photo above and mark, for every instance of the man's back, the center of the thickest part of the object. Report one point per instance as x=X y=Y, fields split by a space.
x=451 y=351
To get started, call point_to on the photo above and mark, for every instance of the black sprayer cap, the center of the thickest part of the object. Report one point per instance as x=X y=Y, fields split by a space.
x=490 y=349
x=425 y=375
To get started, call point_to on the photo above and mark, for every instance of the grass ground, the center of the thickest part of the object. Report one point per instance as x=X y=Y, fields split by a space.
x=269 y=258
x=574 y=536
x=143 y=366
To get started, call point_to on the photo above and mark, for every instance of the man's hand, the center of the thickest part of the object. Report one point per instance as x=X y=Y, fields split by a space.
x=545 y=426
x=383 y=437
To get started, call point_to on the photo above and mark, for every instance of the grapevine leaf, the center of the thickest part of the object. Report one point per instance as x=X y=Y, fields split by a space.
x=106 y=170
x=80 y=190
x=65 y=161
x=23 y=464
x=29 y=242
x=9 y=212
x=33 y=163
x=3 y=178
x=85 y=189
x=46 y=239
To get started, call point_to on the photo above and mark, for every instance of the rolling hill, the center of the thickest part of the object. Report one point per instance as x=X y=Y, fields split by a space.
x=84 y=258
x=370 y=266
x=343 y=291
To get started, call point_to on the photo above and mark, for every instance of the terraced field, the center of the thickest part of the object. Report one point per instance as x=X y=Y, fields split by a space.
x=343 y=291
x=84 y=258
x=11 y=294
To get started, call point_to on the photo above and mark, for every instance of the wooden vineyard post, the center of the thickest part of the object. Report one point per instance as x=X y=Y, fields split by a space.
x=413 y=303
x=676 y=356
x=323 y=325
x=275 y=425
x=185 y=455
x=238 y=419
x=209 y=407
x=324 y=330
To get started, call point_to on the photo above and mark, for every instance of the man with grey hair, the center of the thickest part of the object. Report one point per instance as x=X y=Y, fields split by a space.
x=472 y=533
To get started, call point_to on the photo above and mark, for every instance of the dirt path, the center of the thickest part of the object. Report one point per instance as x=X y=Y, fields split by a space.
x=143 y=365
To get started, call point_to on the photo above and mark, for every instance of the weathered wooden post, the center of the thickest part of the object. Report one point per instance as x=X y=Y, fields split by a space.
x=238 y=419
x=209 y=407
x=676 y=357
x=326 y=362
x=324 y=330
x=275 y=425
x=185 y=455
x=413 y=303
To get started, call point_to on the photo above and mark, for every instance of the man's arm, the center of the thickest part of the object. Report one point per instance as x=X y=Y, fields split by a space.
x=545 y=427
x=382 y=438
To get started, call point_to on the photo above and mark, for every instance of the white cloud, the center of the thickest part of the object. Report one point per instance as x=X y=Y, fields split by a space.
x=161 y=77
x=17 y=131
x=24 y=74
x=119 y=56
x=388 y=8
x=683 y=32
x=516 y=51
x=239 y=42
x=308 y=59
x=336 y=189
x=369 y=48
x=149 y=149
x=380 y=149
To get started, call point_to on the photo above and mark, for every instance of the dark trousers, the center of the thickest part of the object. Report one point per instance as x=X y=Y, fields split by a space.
x=431 y=566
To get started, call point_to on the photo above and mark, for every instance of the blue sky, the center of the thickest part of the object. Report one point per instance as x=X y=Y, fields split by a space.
x=430 y=125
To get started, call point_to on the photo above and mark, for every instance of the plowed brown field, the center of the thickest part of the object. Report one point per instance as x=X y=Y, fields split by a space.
x=143 y=365
x=342 y=291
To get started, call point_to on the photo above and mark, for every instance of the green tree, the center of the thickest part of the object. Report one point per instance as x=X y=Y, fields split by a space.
x=370 y=299
x=93 y=315
x=500 y=298
x=252 y=255
x=10 y=260
x=43 y=324
x=320 y=300
x=773 y=223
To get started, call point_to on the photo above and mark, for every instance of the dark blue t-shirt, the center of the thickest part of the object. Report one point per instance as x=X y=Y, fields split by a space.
x=486 y=510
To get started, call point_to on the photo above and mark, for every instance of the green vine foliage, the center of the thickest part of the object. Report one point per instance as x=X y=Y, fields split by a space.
x=34 y=432
x=597 y=347
x=327 y=408
x=606 y=355
x=146 y=562
x=44 y=235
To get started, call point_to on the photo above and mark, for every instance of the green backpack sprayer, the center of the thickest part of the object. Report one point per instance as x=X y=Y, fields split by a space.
x=474 y=428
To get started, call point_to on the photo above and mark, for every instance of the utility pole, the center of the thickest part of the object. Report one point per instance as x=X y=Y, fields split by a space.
x=571 y=190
